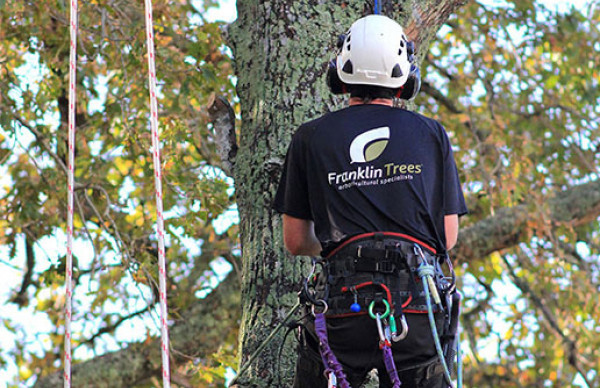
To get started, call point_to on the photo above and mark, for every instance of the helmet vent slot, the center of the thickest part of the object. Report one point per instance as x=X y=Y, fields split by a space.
x=348 y=68
x=397 y=71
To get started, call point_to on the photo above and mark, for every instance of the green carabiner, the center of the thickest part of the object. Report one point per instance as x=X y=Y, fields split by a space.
x=393 y=327
x=385 y=313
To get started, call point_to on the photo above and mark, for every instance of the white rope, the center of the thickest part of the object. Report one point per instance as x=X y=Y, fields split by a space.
x=159 y=203
x=70 y=184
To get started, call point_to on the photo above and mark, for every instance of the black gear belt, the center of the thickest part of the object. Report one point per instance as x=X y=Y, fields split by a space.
x=377 y=258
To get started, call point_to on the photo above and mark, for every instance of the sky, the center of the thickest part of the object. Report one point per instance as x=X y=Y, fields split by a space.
x=12 y=271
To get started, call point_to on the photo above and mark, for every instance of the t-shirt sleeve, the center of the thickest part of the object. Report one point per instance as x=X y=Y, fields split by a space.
x=454 y=200
x=292 y=193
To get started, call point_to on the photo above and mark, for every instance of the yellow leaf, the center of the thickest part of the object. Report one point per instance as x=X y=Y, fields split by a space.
x=496 y=262
x=509 y=334
x=25 y=372
x=517 y=170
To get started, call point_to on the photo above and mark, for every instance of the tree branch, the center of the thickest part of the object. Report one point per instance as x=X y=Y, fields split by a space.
x=570 y=344
x=222 y=117
x=575 y=206
x=427 y=88
x=21 y=299
x=198 y=334
x=111 y=328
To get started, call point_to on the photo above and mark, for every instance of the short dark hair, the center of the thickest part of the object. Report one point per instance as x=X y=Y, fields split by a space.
x=370 y=92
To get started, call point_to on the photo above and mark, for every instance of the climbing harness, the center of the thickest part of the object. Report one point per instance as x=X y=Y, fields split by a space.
x=385 y=258
x=316 y=291
x=158 y=193
x=70 y=184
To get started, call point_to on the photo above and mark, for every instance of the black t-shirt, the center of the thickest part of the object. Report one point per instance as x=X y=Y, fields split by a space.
x=370 y=168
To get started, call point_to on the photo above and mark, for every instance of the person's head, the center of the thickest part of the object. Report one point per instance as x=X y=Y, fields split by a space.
x=375 y=61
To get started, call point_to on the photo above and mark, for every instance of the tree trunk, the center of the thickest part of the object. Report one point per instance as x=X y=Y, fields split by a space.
x=281 y=50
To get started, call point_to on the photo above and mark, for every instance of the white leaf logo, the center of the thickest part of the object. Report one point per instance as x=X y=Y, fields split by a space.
x=369 y=145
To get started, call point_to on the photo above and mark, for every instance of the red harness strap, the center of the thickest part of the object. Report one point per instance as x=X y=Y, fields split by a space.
x=384 y=234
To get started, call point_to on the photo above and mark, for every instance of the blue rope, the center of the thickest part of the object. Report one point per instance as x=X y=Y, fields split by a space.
x=376 y=9
x=424 y=273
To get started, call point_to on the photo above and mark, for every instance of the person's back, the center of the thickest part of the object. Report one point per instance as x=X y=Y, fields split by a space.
x=374 y=168
x=374 y=190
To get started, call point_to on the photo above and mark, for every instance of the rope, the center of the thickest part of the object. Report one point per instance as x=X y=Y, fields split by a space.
x=264 y=344
x=459 y=366
x=70 y=185
x=162 y=275
x=424 y=270
x=331 y=363
x=376 y=8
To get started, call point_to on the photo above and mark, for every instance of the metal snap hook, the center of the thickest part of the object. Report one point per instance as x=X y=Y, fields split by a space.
x=319 y=302
x=404 y=325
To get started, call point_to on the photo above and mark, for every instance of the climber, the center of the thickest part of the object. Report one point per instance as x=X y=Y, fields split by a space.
x=368 y=188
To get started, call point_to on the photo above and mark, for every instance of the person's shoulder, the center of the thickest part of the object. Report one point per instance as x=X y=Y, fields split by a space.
x=315 y=122
x=426 y=121
x=309 y=127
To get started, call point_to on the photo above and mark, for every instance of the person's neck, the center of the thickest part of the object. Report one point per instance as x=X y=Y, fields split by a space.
x=377 y=101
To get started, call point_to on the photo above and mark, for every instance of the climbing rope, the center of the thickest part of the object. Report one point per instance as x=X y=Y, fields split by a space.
x=70 y=185
x=162 y=274
x=426 y=272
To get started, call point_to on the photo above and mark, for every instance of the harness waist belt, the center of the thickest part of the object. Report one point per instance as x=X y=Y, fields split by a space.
x=385 y=262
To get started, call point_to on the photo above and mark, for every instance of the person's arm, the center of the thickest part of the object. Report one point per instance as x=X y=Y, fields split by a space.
x=451 y=227
x=299 y=236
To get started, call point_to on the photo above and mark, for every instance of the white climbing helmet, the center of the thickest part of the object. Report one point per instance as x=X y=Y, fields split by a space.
x=375 y=52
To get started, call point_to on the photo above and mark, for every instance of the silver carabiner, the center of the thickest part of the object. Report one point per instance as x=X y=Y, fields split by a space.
x=332 y=381
x=323 y=304
x=382 y=338
x=399 y=337
x=384 y=333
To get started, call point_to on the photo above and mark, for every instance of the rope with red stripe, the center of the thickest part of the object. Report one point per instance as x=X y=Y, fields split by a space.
x=70 y=185
x=162 y=275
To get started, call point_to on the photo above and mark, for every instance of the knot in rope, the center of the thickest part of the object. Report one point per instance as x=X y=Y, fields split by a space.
x=426 y=270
